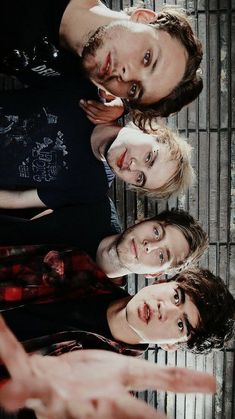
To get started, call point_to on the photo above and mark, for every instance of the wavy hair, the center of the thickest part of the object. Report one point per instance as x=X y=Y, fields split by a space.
x=175 y=21
x=216 y=307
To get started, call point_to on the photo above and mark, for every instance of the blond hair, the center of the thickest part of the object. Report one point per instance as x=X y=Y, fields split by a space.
x=180 y=150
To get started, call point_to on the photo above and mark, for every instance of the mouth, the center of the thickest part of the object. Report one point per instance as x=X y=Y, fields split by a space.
x=134 y=248
x=120 y=160
x=105 y=70
x=145 y=313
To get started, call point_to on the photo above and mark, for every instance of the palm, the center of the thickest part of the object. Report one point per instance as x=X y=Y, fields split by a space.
x=89 y=383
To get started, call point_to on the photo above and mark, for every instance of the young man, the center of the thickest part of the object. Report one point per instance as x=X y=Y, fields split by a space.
x=165 y=243
x=47 y=385
x=80 y=308
x=156 y=163
x=162 y=46
x=46 y=157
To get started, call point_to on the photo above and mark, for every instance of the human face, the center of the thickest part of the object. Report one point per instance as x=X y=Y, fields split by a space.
x=139 y=159
x=150 y=247
x=162 y=313
x=135 y=61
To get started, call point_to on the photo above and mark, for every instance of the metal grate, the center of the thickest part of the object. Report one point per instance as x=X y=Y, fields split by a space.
x=209 y=123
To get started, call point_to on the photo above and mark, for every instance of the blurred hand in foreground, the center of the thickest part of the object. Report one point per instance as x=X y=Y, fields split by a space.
x=87 y=383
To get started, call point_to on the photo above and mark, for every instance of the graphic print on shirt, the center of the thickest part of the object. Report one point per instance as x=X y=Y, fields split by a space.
x=35 y=145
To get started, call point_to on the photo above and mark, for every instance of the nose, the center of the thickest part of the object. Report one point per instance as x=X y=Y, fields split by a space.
x=124 y=73
x=133 y=164
x=149 y=246
x=128 y=72
x=167 y=310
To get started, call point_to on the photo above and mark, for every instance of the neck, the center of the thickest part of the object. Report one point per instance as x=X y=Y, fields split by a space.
x=119 y=328
x=107 y=258
x=83 y=17
x=102 y=136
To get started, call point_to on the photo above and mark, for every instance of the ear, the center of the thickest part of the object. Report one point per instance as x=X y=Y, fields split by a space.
x=169 y=347
x=143 y=15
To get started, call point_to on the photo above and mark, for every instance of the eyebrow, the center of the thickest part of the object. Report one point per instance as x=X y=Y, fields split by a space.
x=187 y=323
x=154 y=65
x=167 y=250
x=152 y=164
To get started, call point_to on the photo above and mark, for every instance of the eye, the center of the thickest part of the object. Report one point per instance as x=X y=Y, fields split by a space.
x=148 y=158
x=177 y=297
x=147 y=56
x=161 y=257
x=140 y=179
x=133 y=90
x=180 y=325
x=156 y=233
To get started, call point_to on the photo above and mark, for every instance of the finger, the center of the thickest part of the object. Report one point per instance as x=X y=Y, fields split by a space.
x=126 y=407
x=13 y=395
x=12 y=353
x=147 y=375
x=88 y=355
x=95 y=114
x=93 y=105
x=98 y=115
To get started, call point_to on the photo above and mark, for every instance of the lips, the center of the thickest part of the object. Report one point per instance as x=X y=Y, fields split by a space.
x=106 y=67
x=134 y=248
x=121 y=159
x=145 y=313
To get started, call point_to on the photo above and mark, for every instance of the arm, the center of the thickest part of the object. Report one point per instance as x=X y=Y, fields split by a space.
x=80 y=381
x=42 y=214
x=20 y=199
x=82 y=225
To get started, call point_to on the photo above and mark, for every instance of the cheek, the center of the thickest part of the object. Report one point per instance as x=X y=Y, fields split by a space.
x=117 y=88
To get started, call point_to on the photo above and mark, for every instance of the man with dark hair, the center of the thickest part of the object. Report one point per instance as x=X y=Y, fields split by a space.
x=161 y=46
x=168 y=242
x=84 y=310
x=80 y=308
x=216 y=306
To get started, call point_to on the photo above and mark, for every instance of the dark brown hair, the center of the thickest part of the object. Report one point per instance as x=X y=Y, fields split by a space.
x=174 y=21
x=216 y=307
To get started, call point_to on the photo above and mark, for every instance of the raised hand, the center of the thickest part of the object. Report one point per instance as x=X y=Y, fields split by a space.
x=88 y=383
x=100 y=113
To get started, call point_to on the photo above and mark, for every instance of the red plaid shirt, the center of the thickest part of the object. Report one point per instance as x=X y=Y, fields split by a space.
x=37 y=274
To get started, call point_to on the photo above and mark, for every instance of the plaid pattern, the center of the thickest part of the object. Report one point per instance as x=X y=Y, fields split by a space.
x=37 y=274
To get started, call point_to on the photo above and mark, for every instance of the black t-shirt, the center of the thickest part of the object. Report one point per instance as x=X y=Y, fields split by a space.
x=45 y=145
x=89 y=314
x=83 y=226
x=29 y=41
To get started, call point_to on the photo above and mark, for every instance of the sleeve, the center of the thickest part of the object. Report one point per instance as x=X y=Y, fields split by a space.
x=83 y=226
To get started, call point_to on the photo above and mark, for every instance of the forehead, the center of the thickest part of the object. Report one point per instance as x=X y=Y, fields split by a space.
x=162 y=170
x=167 y=69
x=134 y=136
x=176 y=243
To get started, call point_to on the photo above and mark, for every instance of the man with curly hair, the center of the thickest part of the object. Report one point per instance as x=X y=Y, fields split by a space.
x=193 y=310
x=149 y=59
